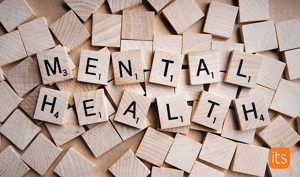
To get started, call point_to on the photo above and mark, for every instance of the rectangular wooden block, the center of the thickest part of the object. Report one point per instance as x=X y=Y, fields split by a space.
x=158 y=5
x=291 y=59
x=253 y=10
x=292 y=170
x=166 y=172
x=167 y=43
x=202 y=170
x=118 y=5
x=29 y=103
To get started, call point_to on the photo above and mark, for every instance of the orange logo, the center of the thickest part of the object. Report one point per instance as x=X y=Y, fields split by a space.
x=279 y=158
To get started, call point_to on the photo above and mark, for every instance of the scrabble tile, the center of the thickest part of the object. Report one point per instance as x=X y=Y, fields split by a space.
x=128 y=67
x=84 y=8
x=137 y=25
x=183 y=153
x=71 y=129
x=259 y=37
x=291 y=59
x=211 y=110
x=15 y=12
x=118 y=5
x=129 y=165
x=201 y=170
x=40 y=159
x=74 y=164
x=292 y=170
x=158 y=5
x=9 y=101
x=68 y=26
x=51 y=106
x=217 y=150
x=288 y=34
x=106 y=30
x=172 y=110
x=19 y=129
x=54 y=65
x=2 y=77
x=166 y=68
x=11 y=48
x=11 y=164
x=36 y=36
x=29 y=103
x=188 y=13
x=253 y=10
x=225 y=49
x=287 y=99
x=217 y=23
x=232 y=131
x=167 y=43
x=204 y=67
x=243 y=69
x=24 y=77
x=166 y=172
x=101 y=138
x=250 y=159
x=252 y=112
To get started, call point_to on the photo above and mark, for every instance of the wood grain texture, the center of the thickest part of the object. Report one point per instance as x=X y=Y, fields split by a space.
x=118 y=5
x=29 y=103
x=292 y=170
x=166 y=172
x=253 y=10
x=2 y=77
x=167 y=43
x=158 y=5
x=202 y=170
x=291 y=59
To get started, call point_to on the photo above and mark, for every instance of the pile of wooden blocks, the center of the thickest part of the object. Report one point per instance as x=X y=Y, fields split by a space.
x=193 y=82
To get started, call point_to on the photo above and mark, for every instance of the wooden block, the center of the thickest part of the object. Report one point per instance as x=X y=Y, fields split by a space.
x=117 y=6
x=51 y=106
x=84 y=8
x=54 y=65
x=137 y=25
x=109 y=107
x=298 y=124
x=287 y=99
x=253 y=10
x=36 y=36
x=154 y=147
x=292 y=170
x=188 y=12
x=11 y=164
x=9 y=101
x=183 y=153
x=74 y=164
x=250 y=159
x=166 y=172
x=146 y=49
x=29 y=103
x=217 y=23
x=15 y=12
x=69 y=31
x=232 y=131
x=128 y=67
x=11 y=47
x=166 y=68
x=288 y=34
x=19 y=129
x=259 y=37
x=2 y=77
x=71 y=129
x=158 y=5
x=225 y=49
x=291 y=59
x=106 y=30
x=129 y=165
x=243 y=69
x=202 y=170
x=101 y=138
x=167 y=43
x=252 y=112
x=24 y=77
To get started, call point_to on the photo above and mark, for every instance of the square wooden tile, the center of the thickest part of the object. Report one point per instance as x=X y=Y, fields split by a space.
x=202 y=170
x=158 y=5
x=253 y=10
x=167 y=43
x=292 y=170
x=117 y=6
x=291 y=59
x=29 y=103
x=166 y=172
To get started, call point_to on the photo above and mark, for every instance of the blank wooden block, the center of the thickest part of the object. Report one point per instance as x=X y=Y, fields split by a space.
x=167 y=43
x=128 y=67
x=158 y=5
x=69 y=31
x=36 y=36
x=166 y=172
x=252 y=112
x=118 y=5
x=40 y=159
x=217 y=23
x=288 y=34
x=291 y=59
x=101 y=138
x=187 y=13
x=74 y=164
x=106 y=30
x=202 y=170
x=29 y=103
x=15 y=12
x=11 y=164
x=292 y=170
x=250 y=159
x=51 y=106
x=9 y=101
x=243 y=69
x=11 y=47
x=24 y=77
x=253 y=10
x=259 y=37
x=183 y=153
x=137 y=25
x=129 y=165
x=225 y=49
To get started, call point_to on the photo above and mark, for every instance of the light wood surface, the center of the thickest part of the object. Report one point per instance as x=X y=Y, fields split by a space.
x=118 y=5
x=29 y=103
x=292 y=170
x=253 y=10
x=158 y=5
x=167 y=43
x=201 y=170
x=290 y=58
x=166 y=172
